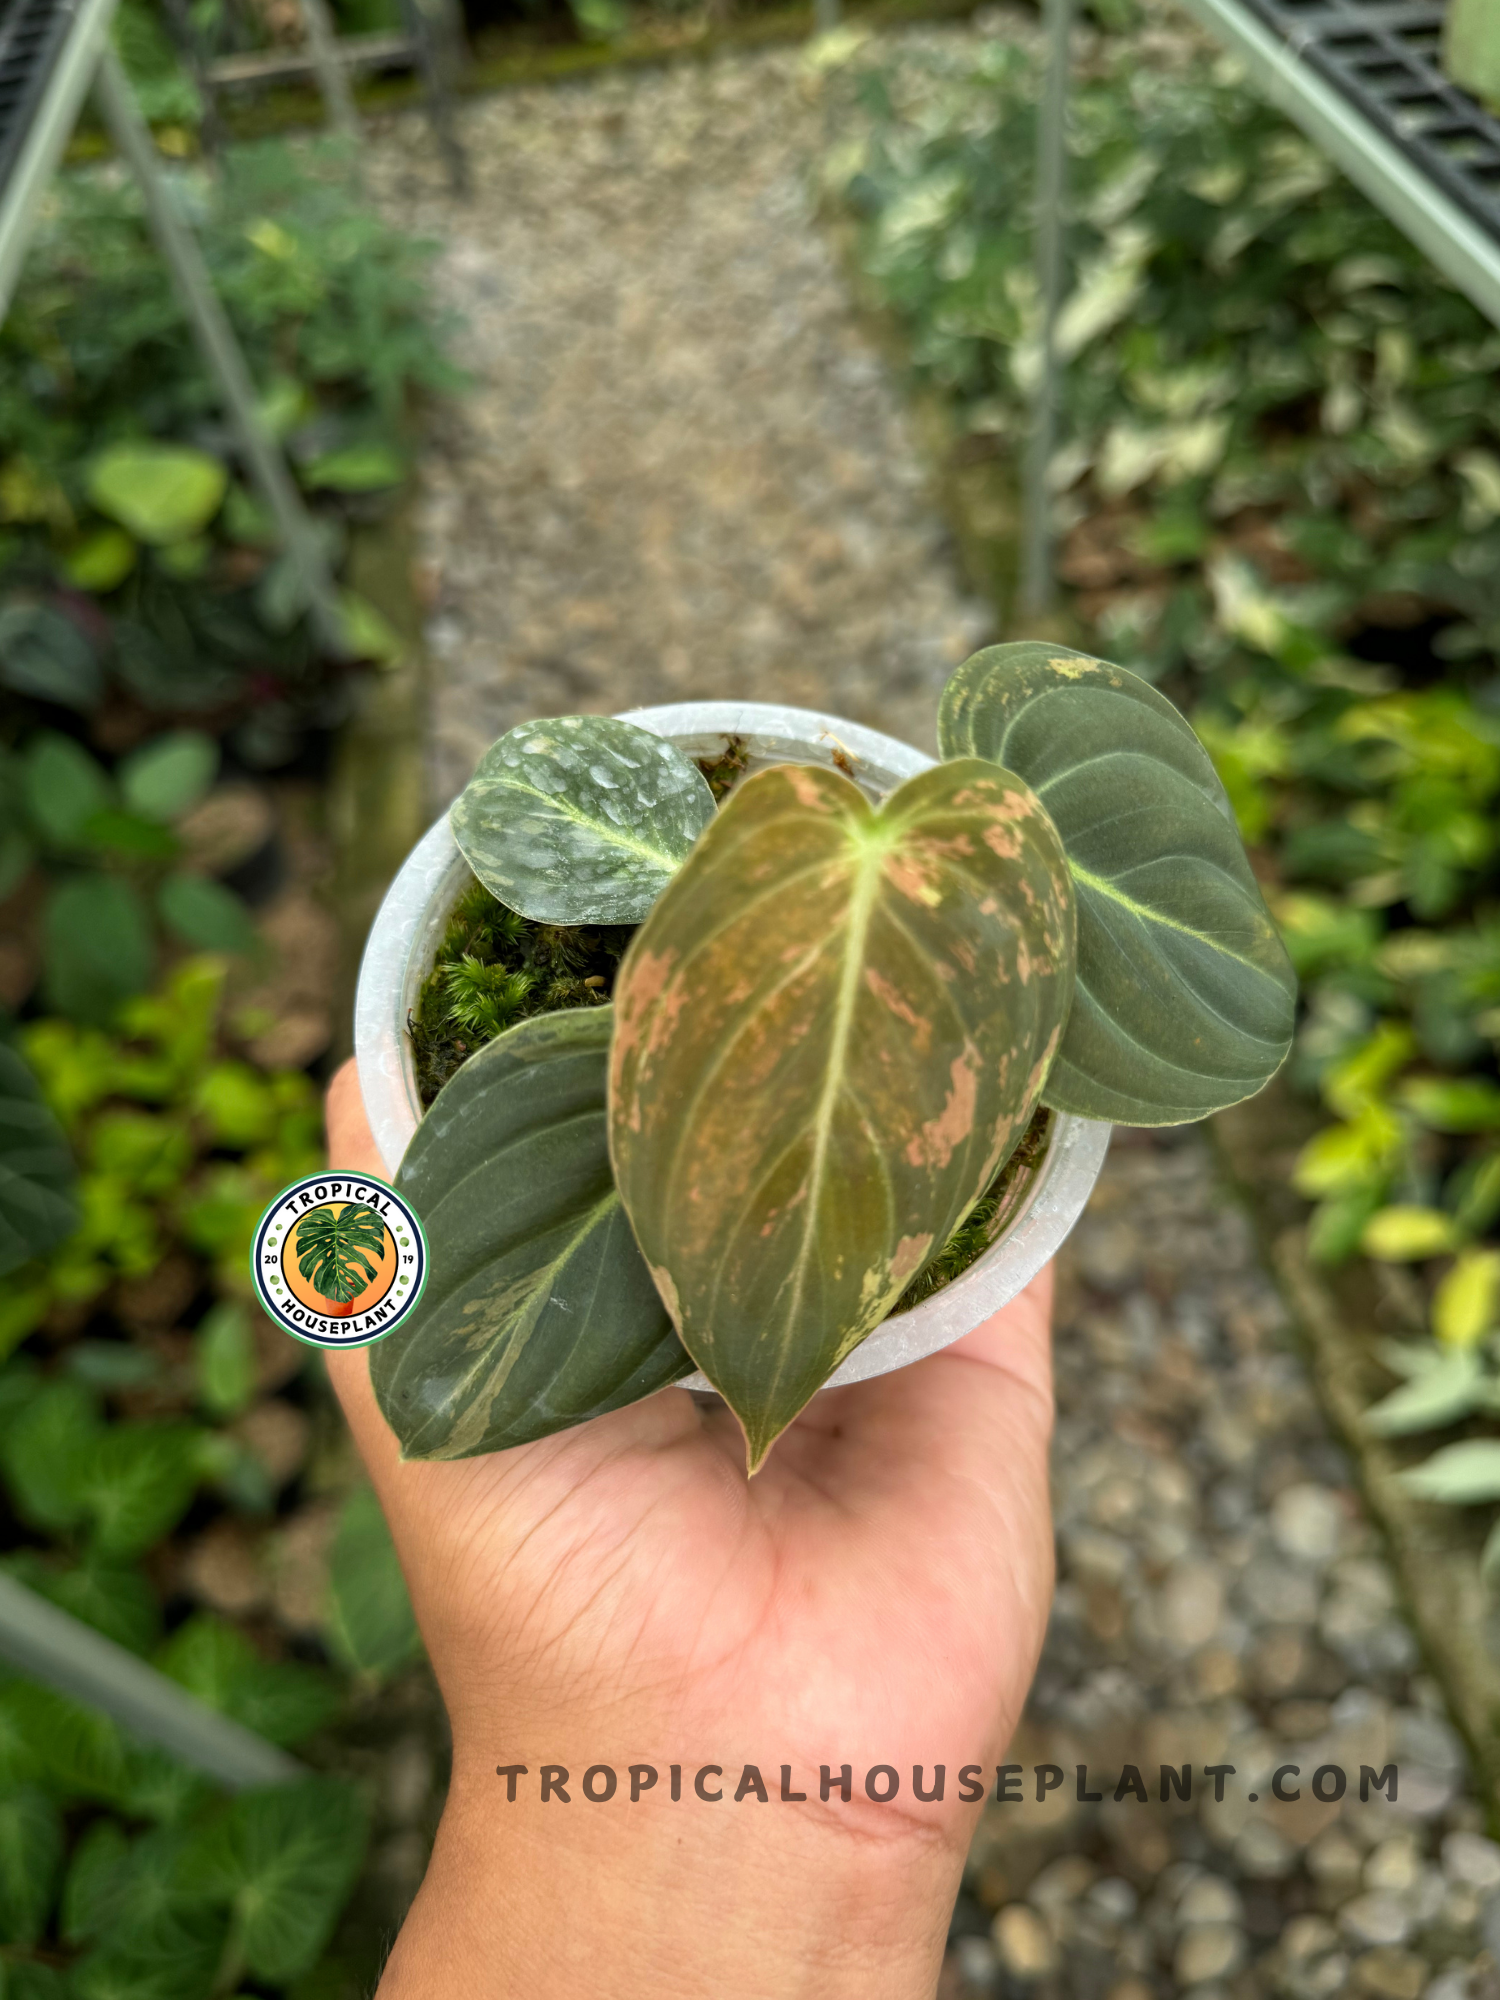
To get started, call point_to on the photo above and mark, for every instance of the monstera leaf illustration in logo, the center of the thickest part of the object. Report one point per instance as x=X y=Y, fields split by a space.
x=334 y=1248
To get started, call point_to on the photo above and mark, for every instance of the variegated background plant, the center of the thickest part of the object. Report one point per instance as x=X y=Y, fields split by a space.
x=828 y=1035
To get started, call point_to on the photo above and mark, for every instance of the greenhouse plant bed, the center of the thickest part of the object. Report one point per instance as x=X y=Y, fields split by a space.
x=1435 y=1549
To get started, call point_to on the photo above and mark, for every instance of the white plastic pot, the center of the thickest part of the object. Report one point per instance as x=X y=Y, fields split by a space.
x=404 y=939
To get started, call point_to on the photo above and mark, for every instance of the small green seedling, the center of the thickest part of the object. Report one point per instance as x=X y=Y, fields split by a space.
x=833 y=1027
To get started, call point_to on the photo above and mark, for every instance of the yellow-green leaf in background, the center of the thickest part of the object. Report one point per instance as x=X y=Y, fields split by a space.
x=1406 y=1234
x=1454 y=1103
x=1321 y=932
x=1341 y=1158
x=358 y=468
x=1453 y=1387
x=284 y=403
x=100 y=561
x=1460 y=1475
x=1464 y=1305
x=368 y=633
x=160 y=492
x=1358 y=1081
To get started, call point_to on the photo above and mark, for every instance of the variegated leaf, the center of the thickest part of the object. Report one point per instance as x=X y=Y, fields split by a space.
x=832 y=1029
x=581 y=819
x=1185 y=994
x=539 y=1311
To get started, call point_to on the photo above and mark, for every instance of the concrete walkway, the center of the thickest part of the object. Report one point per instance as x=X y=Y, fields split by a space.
x=682 y=471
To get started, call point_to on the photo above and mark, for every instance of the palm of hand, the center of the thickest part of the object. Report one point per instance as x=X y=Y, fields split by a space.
x=620 y=1593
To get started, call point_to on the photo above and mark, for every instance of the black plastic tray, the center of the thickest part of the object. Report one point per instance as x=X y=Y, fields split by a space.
x=1382 y=55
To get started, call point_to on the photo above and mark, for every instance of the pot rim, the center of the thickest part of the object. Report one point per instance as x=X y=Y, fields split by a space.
x=405 y=931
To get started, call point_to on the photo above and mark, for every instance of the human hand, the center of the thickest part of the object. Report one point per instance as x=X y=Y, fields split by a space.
x=619 y=1594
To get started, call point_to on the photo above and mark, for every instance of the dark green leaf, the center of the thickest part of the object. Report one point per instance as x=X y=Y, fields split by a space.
x=42 y=653
x=112 y=832
x=156 y=1786
x=71 y=1750
x=225 y=1359
x=112 y=1364
x=206 y=915
x=833 y=1029
x=16 y=857
x=160 y=1937
x=334 y=1249
x=90 y=1893
x=1185 y=997
x=65 y=787
x=99 y=948
x=47 y=1452
x=538 y=1310
x=370 y=1622
x=581 y=819
x=280 y=1700
x=37 y=1206
x=111 y=1596
x=31 y=1848
x=139 y=1482
x=170 y=671
x=284 y=1862
x=175 y=1960
x=29 y=1979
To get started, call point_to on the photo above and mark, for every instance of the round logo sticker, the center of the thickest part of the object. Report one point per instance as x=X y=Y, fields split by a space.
x=339 y=1260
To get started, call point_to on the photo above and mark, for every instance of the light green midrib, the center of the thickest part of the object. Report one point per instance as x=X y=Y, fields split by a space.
x=659 y=856
x=860 y=907
x=1147 y=915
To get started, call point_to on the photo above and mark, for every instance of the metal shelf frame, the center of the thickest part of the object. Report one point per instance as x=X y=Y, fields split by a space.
x=1361 y=79
x=1446 y=229
x=74 y=55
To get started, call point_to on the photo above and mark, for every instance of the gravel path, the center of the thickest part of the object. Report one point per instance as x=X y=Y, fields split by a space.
x=681 y=470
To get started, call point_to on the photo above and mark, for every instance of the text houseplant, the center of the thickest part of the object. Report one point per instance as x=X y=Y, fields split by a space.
x=808 y=1068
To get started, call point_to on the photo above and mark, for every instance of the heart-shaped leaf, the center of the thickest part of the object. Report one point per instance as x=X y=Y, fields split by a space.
x=539 y=1311
x=99 y=948
x=833 y=1028
x=160 y=492
x=283 y=1861
x=580 y=820
x=168 y=775
x=1185 y=995
x=37 y=1208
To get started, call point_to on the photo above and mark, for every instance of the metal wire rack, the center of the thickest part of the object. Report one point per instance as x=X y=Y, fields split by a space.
x=32 y=35
x=1383 y=56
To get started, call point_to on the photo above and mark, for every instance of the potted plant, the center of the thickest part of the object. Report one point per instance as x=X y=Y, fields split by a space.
x=858 y=1015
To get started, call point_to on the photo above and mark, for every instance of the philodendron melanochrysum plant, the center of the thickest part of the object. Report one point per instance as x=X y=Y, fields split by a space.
x=826 y=1038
